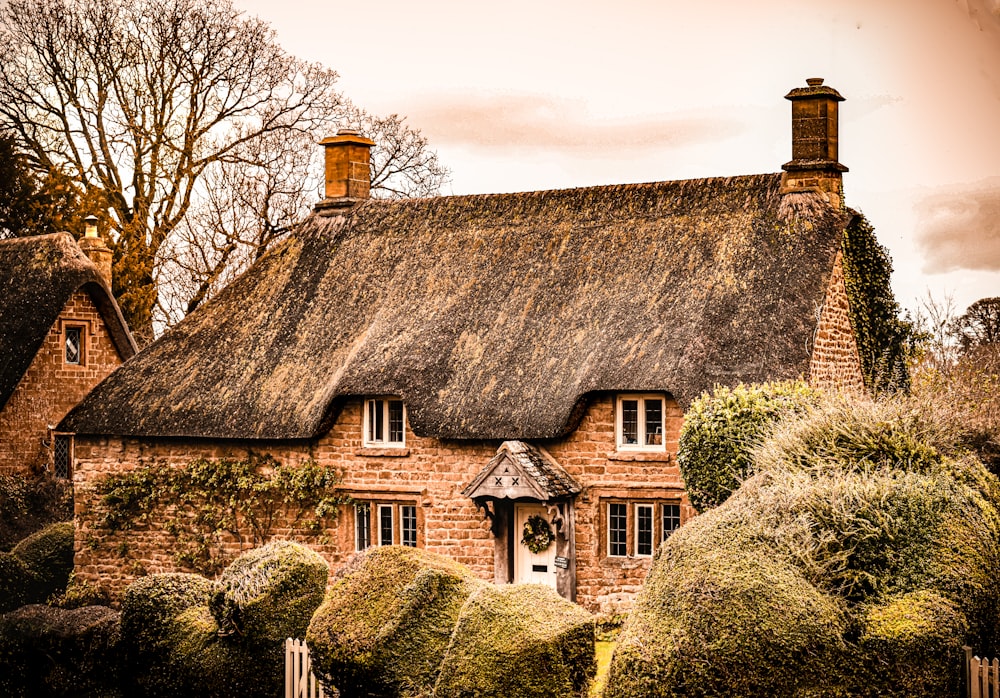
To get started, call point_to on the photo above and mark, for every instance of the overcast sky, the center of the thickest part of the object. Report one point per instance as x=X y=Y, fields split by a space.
x=519 y=96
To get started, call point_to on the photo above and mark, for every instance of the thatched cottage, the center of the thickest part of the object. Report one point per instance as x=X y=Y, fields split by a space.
x=481 y=365
x=61 y=333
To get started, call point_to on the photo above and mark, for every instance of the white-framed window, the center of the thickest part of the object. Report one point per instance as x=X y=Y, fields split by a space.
x=640 y=422
x=384 y=523
x=643 y=530
x=362 y=525
x=384 y=423
x=617 y=529
x=636 y=528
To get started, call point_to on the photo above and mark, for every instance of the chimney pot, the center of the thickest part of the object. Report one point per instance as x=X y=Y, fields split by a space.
x=95 y=248
x=348 y=175
x=814 y=82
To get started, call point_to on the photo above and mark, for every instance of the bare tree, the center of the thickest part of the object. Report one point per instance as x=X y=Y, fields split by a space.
x=141 y=101
x=979 y=325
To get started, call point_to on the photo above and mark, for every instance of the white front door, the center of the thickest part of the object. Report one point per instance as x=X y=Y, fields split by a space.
x=529 y=567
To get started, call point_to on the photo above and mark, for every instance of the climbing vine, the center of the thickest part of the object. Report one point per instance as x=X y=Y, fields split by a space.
x=209 y=501
x=884 y=339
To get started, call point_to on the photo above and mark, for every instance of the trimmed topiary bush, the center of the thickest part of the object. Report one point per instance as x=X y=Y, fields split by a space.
x=721 y=430
x=16 y=578
x=47 y=651
x=520 y=640
x=856 y=562
x=186 y=635
x=49 y=554
x=28 y=503
x=387 y=620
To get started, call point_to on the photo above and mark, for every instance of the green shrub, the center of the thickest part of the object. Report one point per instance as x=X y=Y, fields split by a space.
x=175 y=646
x=16 y=578
x=28 y=503
x=721 y=430
x=49 y=554
x=47 y=651
x=857 y=561
x=150 y=606
x=522 y=640
x=79 y=593
x=386 y=621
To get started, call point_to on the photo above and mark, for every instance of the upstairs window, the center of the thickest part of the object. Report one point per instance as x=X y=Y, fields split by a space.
x=73 y=345
x=385 y=421
x=640 y=423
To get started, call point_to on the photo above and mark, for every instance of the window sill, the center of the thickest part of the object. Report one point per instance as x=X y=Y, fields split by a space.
x=642 y=456
x=373 y=452
x=628 y=563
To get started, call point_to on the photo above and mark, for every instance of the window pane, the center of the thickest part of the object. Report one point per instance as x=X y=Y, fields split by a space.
x=654 y=422
x=72 y=345
x=630 y=422
x=61 y=457
x=385 y=524
x=644 y=529
x=671 y=519
x=396 y=421
x=376 y=421
x=363 y=525
x=617 y=530
x=409 y=516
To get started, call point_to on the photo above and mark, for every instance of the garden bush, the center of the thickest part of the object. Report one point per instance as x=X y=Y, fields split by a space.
x=857 y=561
x=387 y=620
x=28 y=503
x=721 y=430
x=47 y=651
x=186 y=635
x=38 y=567
x=519 y=640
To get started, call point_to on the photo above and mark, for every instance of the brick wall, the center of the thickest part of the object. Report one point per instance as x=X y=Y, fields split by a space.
x=51 y=387
x=835 y=362
x=428 y=473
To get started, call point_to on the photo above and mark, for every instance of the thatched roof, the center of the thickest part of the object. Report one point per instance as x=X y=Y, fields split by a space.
x=492 y=317
x=38 y=275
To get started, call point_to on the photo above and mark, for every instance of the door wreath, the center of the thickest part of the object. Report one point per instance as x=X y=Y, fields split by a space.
x=537 y=534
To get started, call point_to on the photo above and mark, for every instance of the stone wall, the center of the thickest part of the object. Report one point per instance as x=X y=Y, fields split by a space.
x=51 y=387
x=835 y=363
x=428 y=473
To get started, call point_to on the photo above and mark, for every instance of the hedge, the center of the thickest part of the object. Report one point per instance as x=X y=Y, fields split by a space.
x=519 y=640
x=721 y=430
x=47 y=651
x=858 y=559
x=38 y=567
x=387 y=620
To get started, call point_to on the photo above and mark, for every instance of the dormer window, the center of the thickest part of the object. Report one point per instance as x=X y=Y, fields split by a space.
x=640 y=423
x=385 y=421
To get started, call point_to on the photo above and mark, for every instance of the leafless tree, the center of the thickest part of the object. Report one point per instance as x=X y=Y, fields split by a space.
x=189 y=121
x=979 y=325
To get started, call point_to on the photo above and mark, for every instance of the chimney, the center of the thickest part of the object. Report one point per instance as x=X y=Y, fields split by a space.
x=95 y=248
x=814 y=165
x=347 y=169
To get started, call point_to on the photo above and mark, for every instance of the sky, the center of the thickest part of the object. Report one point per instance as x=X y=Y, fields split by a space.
x=550 y=94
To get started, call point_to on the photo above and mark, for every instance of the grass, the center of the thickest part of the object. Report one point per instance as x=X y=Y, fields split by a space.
x=603 y=649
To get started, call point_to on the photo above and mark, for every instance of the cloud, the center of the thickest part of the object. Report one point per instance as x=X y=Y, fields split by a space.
x=960 y=228
x=492 y=122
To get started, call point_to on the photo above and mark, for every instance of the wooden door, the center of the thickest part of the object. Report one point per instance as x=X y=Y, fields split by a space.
x=529 y=567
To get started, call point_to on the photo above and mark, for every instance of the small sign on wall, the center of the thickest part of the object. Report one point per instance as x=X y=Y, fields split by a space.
x=561 y=563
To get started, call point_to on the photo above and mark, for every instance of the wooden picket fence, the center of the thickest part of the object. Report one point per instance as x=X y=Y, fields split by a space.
x=982 y=676
x=300 y=681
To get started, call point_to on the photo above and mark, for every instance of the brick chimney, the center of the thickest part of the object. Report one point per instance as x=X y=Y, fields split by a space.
x=347 y=169
x=95 y=248
x=814 y=165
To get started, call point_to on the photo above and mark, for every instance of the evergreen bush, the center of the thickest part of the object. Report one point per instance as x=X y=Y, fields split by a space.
x=721 y=430
x=30 y=502
x=857 y=561
x=49 y=555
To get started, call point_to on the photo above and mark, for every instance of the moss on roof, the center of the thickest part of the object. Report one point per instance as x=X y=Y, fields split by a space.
x=492 y=316
x=38 y=275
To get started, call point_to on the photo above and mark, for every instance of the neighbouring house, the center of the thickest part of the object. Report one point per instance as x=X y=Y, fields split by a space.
x=481 y=366
x=61 y=333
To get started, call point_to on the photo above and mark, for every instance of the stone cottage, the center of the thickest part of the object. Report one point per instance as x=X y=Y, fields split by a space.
x=482 y=366
x=61 y=333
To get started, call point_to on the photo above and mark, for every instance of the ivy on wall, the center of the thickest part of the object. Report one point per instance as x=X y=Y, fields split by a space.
x=207 y=501
x=883 y=338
